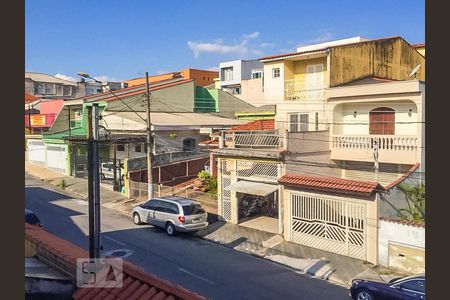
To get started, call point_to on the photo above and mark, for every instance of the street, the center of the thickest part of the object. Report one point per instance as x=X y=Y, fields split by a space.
x=209 y=269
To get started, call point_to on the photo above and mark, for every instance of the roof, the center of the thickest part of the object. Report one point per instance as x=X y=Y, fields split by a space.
x=406 y=175
x=30 y=98
x=255 y=125
x=331 y=184
x=130 y=121
x=209 y=143
x=421 y=45
x=367 y=80
x=42 y=77
x=293 y=54
x=137 y=284
x=403 y=222
x=136 y=90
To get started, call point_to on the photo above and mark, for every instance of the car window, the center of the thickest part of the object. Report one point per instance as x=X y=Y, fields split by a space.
x=170 y=208
x=414 y=285
x=149 y=204
x=32 y=219
x=193 y=209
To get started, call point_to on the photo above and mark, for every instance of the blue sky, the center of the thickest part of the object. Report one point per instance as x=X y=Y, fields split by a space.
x=123 y=39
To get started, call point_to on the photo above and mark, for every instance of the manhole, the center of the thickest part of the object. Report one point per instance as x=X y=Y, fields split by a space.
x=119 y=253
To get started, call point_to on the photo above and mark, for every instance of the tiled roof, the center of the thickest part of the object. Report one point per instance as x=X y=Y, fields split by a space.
x=419 y=45
x=406 y=175
x=346 y=186
x=325 y=48
x=255 y=125
x=29 y=98
x=209 y=143
x=404 y=222
x=136 y=283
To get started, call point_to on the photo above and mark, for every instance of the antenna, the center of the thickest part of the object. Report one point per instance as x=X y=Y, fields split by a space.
x=414 y=71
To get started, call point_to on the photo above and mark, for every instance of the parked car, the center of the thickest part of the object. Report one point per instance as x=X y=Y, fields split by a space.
x=409 y=287
x=175 y=214
x=31 y=218
x=107 y=170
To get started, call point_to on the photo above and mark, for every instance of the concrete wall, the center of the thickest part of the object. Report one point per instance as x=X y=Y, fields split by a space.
x=285 y=108
x=248 y=66
x=393 y=59
x=252 y=92
x=229 y=105
x=237 y=72
x=274 y=87
x=409 y=238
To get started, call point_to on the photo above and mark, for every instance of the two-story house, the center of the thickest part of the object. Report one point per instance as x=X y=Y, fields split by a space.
x=344 y=107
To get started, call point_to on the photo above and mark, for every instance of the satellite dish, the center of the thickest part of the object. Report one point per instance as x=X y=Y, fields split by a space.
x=414 y=71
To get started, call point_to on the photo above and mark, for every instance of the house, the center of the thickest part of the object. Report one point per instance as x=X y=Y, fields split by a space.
x=234 y=73
x=40 y=115
x=309 y=179
x=57 y=274
x=201 y=77
x=420 y=48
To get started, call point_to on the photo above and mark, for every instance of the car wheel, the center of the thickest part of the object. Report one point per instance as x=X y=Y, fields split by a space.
x=170 y=229
x=137 y=219
x=364 y=294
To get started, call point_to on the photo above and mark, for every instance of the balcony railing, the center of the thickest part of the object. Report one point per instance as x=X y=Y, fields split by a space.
x=391 y=148
x=258 y=139
x=302 y=89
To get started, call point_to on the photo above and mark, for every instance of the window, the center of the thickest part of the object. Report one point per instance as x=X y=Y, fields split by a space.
x=193 y=209
x=257 y=74
x=188 y=144
x=227 y=74
x=414 y=285
x=67 y=90
x=50 y=88
x=298 y=122
x=382 y=121
x=99 y=90
x=121 y=148
x=168 y=207
x=39 y=88
x=138 y=148
x=276 y=72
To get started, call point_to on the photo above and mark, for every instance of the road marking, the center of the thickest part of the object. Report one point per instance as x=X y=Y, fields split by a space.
x=116 y=241
x=196 y=276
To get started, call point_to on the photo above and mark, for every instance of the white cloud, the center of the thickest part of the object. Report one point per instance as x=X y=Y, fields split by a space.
x=250 y=36
x=218 y=46
x=266 y=45
x=65 y=77
x=324 y=35
x=103 y=78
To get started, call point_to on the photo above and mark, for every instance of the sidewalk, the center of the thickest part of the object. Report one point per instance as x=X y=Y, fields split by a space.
x=325 y=265
x=77 y=186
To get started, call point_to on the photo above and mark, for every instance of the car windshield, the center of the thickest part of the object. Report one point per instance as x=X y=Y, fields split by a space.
x=193 y=209
x=32 y=219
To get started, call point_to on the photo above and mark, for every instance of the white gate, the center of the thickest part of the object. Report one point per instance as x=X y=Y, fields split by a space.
x=329 y=224
x=57 y=158
x=36 y=151
x=225 y=194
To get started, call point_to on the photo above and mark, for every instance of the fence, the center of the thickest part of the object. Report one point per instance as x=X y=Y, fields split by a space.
x=138 y=190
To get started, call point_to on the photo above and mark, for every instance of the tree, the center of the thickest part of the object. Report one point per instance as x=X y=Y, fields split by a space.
x=415 y=198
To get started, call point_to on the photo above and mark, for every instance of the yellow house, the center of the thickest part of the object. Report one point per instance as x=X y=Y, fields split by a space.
x=420 y=48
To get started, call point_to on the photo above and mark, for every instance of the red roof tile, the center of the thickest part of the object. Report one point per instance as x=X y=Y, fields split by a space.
x=255 y=125
x=209 y=143
x=136 y=283
x=404 y=222
x=29 y=98
x=346 y=186
x=419 y=45
x=406 y=175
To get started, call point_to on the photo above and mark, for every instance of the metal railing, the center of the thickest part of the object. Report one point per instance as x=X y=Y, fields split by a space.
x=302 y=89
x=258 y=139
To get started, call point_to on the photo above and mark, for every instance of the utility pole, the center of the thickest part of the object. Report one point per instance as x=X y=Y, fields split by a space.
x=375 y=157
x=96 y=177
x=29 y=118
x=149 y=143
x=90 y=162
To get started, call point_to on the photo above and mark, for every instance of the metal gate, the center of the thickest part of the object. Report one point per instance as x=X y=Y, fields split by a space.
x=225 y=194
x=329 y=224
x=56 y=158
x=36 y=151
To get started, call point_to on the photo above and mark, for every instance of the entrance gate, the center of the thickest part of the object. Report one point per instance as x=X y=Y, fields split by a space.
x=329 y=224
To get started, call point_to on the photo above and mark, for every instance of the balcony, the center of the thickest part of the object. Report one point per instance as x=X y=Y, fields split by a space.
x=391 y=149
x=304 y=90
x=255 y=143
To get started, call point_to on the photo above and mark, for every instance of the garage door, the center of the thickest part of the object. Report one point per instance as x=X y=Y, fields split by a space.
x=36 y=151
x=56 y=158
x=329 y=224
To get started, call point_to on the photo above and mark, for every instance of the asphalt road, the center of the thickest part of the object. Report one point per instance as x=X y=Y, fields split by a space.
x=211 y=270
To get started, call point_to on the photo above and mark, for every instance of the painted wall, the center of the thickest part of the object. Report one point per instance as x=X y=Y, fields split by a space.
x=229 y=105
x=206 y=100
x=274 y=87
x=201 y=77
x=242 y=70
x=300 y=71
x=252 y=92
x=286 y=108
x=393 y=59
x=404 y=235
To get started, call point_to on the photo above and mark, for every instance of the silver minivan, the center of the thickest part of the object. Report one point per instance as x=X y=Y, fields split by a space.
x=172 y=213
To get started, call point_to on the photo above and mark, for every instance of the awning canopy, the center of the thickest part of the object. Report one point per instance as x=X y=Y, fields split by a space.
x=254 y=188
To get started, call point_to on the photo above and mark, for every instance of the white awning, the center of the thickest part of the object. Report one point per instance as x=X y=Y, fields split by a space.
x=254 y=188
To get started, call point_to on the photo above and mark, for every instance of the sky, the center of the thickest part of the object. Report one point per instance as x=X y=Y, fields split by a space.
x=119 y=40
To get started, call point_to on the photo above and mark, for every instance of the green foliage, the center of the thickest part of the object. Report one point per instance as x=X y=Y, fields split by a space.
x=63 y=184
x=209 y=181
x=415 y=196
